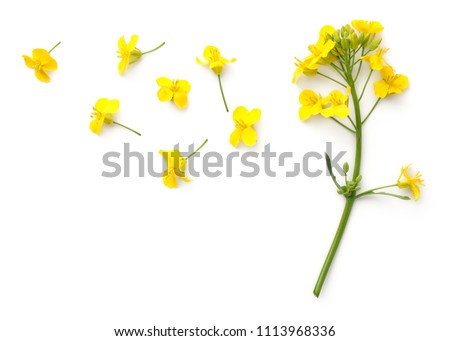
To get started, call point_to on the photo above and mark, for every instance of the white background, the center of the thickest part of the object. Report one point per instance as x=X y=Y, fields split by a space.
x=81 y=254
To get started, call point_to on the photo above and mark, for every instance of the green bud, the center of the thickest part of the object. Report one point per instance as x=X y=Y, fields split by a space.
x=345 y=43
x=358 y=178
x=357 y=188
x=346 y=167
x=354 y=41
x=375 y=43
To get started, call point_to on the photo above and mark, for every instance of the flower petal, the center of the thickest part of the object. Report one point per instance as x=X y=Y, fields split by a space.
x=249 y=136
x=180 y=99
x=211 y=53
x=123 y=64
x=183 y=85
x=133 y=41
x=165 y=82
x=40 y=55
x=170 y=179
x=165 y=94
x=381 y=88
x=106 y=106
x=239 y=113
x=252 y=117
x=50 y=65
x=235 y=137
x=42 y=76
x=29 y=61
x=96 y=125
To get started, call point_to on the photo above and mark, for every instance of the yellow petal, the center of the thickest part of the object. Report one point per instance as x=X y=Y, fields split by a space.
x=121 y=43
x=123 y=64
x=96 y=125
x=165 y=82
x=211 y=54
x=51 y=65
x=180 y=99
x=235 y=137
x=165 y=94
x=170 y=179
x=133 y=41
x=252 y=117
x=387 y=72
x=29 y=61
x=399 y=83
x=42 y=76
x=239 y=113
x=415 y=191
x=183 y=85
x=217 y=67
x=381 y=88
x=200 y=62
x=106 y=106
x=41 y=55
x=249 y=136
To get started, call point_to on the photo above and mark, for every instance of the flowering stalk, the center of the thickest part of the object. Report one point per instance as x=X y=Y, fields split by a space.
x=221 y=91
x=124 y=126
x=54 y=47
x=345 y=50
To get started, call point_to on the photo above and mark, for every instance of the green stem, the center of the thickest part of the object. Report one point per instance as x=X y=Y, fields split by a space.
x=343 y=125
x=123 y=126
x=365 y=85
x=360 y=64
x=332 y=79
x=337 y=69
x=350 y=200
x=351 y=121
x=54 y=47
x=370 y=191
x=196 y=151
x=371 y=110
x=223 y=96
x=334 y=246
x=154 y=49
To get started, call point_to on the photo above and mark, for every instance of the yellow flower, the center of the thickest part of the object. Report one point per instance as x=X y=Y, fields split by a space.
x=321 y=50
x=213 y=58
x=338 y=107
x=304 y=67
x=376 y=59
x=371 y=27
x=312 y=104
x=41 y=61
x=244 y=121
x=176 y=90
x=128 y=53
x=391 y=83
x=411 y=182
x=103 y=111
x=176 y=167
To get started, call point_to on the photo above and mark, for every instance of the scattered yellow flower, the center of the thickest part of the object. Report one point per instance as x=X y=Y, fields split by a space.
x=375 y=60
x=370 y=27
x=176 y=167
x=129 y=53
x=41 y=61
x=391 y=83
x=338 y=107
x=214 y=59
x=244 y=121
x=405 y=180
x=175 y=90
x=312 y=104
x=104 y=110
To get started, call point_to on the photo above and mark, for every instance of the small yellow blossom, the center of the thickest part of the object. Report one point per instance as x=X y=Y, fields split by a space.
x=370 y=27
x=375 y=60
x=41 y=61
x=405 y=180
x=305 y=67
x=321 y=50
x=312 y=104
x=244 y=121
x=176 y=167
x=338 y=107
x=391 y=83
x=175 y=90
x=104 y=110
x=214 y=59
x=128 y=53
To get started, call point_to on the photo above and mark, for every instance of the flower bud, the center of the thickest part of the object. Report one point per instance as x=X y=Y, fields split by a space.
x=375 y=43
x=346 y=167
x=135 y=55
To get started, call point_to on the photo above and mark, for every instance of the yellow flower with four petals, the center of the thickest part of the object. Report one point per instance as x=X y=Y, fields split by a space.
x=375 y=60
x=391 y=83
x=41 y=62
x=176 y=168
x=175 y=90
x=370 y=27
x=244 y=121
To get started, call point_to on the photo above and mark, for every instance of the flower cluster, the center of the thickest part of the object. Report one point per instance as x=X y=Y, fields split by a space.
x=343 y=52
